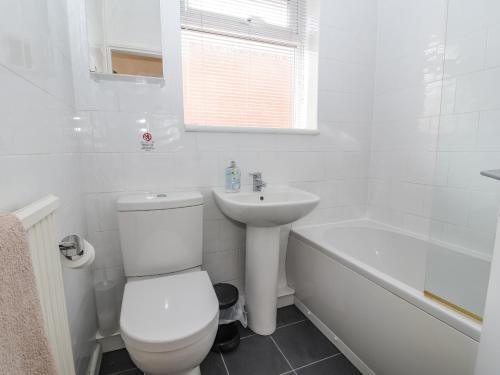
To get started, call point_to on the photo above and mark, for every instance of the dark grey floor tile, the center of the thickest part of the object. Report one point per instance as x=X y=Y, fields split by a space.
x=244 y=332
x=213 y=365
x=338 y=365
x=256 y=355
x=116 y=361
x=303 y=343
x=289 y=314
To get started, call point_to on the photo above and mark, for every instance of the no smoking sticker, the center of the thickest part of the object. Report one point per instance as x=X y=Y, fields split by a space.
x=147 y=143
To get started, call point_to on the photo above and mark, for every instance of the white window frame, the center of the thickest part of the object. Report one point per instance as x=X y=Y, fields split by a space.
x=265 y=130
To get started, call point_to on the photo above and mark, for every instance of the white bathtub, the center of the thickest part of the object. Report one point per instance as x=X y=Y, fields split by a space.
x=362 y=284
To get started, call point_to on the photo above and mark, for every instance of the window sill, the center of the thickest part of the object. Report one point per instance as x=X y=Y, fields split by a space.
x=127 y=78
x=238 y=129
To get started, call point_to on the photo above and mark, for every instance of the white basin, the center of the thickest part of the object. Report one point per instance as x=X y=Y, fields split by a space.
x=264 y=212
x=274 y=206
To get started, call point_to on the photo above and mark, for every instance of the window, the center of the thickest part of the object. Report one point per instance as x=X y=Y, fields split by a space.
x=244 y=64
x=137 y=64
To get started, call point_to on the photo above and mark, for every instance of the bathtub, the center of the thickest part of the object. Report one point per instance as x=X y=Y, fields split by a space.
x=362 y=284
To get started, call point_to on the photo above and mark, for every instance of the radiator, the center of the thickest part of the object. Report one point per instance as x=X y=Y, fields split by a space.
x=38 y=221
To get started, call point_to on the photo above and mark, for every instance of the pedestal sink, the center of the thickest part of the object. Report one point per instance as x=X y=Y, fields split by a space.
x=264 y=213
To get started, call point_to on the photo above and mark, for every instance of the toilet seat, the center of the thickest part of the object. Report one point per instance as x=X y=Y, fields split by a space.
x=169 y=312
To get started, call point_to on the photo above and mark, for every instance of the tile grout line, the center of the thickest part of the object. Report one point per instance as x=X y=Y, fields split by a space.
x=286 y=359
x=224 y=363
x=291 y=324
x=246 y=337
x=123 y=371
x=312 y=363
x=277 y=328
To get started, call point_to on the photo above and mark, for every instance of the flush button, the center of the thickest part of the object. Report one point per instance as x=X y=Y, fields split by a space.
x=162 y=195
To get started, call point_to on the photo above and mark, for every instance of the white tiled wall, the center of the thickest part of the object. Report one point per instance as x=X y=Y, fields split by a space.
x=435 y=120
x=39 y=152
x=406 y=107
x=333 y=164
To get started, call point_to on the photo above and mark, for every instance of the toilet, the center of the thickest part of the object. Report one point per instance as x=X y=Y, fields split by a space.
x=170 y=312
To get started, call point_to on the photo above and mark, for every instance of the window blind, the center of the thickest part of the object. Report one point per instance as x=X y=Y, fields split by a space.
x=242 y=62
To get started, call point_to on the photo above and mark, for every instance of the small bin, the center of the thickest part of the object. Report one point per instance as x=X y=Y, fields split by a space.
x=231 y=310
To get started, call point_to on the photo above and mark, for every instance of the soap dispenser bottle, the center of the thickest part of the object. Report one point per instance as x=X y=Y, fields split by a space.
x=233 y=178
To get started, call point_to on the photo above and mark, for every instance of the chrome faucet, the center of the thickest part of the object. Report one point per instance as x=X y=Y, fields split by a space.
x=258 y=184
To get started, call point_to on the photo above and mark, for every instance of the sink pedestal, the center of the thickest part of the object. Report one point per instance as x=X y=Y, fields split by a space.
x=261 y=278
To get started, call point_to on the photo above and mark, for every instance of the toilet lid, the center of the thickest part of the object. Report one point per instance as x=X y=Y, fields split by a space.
x=169 y=312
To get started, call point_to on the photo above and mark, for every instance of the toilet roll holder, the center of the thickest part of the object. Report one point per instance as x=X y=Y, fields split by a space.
x=72 y=247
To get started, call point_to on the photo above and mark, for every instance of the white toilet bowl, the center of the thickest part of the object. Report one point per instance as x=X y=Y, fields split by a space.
x=169 y=323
